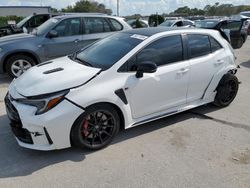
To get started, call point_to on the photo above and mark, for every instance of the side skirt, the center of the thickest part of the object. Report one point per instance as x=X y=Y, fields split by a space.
x=170 y=112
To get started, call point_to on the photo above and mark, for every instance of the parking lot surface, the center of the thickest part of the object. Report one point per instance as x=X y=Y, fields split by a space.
x=203 y=147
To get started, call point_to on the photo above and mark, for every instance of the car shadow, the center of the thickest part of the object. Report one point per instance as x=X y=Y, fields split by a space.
x=246 y=64
x=16 y=161
x=4 y=80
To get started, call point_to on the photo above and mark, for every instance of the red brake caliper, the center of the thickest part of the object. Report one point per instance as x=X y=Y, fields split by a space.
x=85 y=125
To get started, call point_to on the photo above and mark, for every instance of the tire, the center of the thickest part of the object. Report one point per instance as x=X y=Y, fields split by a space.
x=226 y=90
x=16 y=65
x=96 y=127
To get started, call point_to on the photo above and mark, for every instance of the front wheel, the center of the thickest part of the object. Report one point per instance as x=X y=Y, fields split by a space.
x=16 y=65
x=96 y=128
x=226 y=90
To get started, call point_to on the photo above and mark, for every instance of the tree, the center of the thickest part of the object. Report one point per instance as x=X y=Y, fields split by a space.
x=87 y=6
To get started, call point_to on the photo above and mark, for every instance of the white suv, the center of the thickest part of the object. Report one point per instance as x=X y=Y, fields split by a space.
x=122 y=81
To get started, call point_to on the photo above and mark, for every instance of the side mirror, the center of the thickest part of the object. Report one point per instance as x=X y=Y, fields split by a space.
x=145 y=67
x=52 y=34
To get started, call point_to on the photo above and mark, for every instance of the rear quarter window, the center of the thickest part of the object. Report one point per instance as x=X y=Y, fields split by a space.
x=116 y=25
x=215 y=45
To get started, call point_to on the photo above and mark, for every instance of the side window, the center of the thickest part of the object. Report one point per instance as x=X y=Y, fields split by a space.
x=96 y=25
x=163 y=51
x=40 y=19
x=233 y=25
x=215 y=45
x=68 y=27
x=117 y=26
x=199 y=45
x=186 y=23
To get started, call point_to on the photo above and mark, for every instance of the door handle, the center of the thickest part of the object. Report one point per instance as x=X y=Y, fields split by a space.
x=182 y=71
x=219 y=62
x=76 y=41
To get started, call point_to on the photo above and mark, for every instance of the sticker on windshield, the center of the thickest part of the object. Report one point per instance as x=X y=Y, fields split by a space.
x=140 y=37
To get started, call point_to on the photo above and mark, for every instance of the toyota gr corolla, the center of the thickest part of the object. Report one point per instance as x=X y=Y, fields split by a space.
x=122 y=81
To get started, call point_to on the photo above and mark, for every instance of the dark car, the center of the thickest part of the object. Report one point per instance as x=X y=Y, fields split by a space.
x=236 y=35
x=29 y=23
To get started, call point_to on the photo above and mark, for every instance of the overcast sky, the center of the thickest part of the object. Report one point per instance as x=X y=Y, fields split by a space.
x=128 y=7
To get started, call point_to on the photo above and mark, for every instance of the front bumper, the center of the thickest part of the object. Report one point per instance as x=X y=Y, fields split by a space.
x=48 y=131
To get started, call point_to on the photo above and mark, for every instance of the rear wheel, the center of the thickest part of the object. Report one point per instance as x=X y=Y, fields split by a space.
x=16 y=65
x=96 y=128
x=226 y=90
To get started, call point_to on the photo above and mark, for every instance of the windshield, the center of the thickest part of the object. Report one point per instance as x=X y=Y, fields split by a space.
x=247 y=14
x=106 y=52
x=42 y=29
x=206 y=23
x=23 y=21
x=168 y=23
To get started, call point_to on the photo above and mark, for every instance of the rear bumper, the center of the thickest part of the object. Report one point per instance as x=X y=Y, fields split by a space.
x=48 y=131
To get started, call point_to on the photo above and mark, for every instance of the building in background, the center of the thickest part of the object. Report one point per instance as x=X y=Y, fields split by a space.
x=23 y=11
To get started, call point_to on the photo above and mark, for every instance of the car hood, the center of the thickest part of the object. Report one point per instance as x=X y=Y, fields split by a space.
x=15 y=38
x=53 y=76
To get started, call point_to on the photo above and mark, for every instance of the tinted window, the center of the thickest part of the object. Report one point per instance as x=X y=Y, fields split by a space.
x=106 y=52
x=214 y=44
x=96 y=25
x=199 y=45
x=163 y=51
x=117 y=26
x=234 y=25
x=68 y=27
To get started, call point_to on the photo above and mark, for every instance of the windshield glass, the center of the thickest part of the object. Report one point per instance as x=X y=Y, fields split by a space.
x=42 y=29
x=247 y=14
x=22 y=22
x=168 y=23
x=206 y=23
x=106 y=52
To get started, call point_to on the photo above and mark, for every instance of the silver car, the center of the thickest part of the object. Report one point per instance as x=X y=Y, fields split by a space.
x=59 y=36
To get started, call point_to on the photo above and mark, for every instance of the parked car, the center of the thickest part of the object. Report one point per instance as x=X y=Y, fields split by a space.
x=142 y=23
x=237 y=34
x=124 y=80
x=177 y=23
x=59 y=36
x=28 y=23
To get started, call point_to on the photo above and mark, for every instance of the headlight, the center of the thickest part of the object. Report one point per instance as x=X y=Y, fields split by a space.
x=44 y=103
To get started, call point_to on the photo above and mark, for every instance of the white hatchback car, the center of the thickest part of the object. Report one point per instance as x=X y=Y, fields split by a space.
x=122 y=81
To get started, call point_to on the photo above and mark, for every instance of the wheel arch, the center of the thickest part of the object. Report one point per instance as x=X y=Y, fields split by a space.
x=117 y=108
x=22 y=52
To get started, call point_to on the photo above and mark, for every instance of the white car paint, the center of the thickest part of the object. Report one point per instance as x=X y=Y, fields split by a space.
x=171 y=89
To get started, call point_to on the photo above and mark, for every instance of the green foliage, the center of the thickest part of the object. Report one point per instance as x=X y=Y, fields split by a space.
x=155 y=20
x=211 y=10
x=4 y=20
x=87 y=6
x=138 y=23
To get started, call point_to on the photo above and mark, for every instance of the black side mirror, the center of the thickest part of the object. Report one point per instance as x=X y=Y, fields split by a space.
x=52 y=34
x=145 y=67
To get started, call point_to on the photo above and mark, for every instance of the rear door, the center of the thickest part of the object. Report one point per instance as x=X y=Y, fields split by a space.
x=95 y=28
x=68 y=40
x=206 y=58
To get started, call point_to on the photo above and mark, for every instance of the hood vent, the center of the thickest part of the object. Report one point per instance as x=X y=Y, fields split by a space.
x=45 y=63
x=53 y=70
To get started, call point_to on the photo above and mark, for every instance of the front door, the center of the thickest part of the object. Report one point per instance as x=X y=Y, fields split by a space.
x=68 y=40
x=164 y=89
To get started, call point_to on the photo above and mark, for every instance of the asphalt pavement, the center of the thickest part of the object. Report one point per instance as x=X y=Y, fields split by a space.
x=203 y=147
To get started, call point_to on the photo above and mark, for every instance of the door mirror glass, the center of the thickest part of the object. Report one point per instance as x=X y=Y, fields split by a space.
x=52 y=34
x=145 y=67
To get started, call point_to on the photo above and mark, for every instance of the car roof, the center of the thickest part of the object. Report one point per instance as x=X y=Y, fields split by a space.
x=154 y=30
x=73 y=15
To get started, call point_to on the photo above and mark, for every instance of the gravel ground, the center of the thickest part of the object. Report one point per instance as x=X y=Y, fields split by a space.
x=203 y=147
